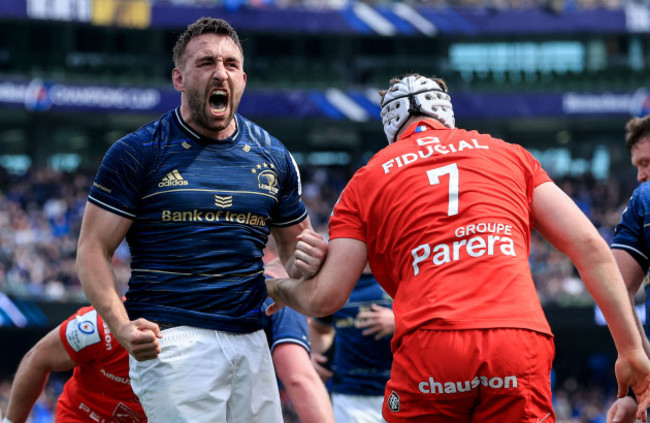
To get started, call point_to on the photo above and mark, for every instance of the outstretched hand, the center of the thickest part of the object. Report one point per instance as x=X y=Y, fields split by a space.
x=633 y=370
x=140 y=339
x=310 y=253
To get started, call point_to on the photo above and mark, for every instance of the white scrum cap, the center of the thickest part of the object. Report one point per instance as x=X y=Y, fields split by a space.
x=415 y=95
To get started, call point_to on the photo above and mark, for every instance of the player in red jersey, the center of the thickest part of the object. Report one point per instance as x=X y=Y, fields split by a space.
x=444 y=216
x=99 y=389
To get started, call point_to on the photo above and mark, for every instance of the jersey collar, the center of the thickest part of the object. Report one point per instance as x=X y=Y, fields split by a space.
x=200 y=138
x=422 y=126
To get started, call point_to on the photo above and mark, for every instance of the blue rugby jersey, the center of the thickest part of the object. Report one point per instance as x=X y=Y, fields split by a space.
x=361 y=364
x=202 y=211
x=632 y=234
x=286 y=326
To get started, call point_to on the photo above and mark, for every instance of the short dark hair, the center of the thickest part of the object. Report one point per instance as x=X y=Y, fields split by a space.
x=200 y=27
x=397 y=79
x=636 y=130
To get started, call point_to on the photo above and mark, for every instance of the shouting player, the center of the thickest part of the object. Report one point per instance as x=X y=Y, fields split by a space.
x=196 y=194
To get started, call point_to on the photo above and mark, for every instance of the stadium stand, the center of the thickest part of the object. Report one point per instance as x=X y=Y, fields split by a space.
x=561 y=77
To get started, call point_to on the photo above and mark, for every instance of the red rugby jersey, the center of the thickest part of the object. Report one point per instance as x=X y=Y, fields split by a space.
x=446 y=215
x=99 y=389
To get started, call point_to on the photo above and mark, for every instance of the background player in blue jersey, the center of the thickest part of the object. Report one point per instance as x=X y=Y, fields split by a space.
x=631 y=244
x=288 y=336
x=196 y=194
x=361 y=333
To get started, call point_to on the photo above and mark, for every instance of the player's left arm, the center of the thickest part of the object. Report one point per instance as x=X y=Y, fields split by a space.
x=306 y=391
x=48 y=355
x=329 y=289
x=300 y=248
x=564 y=225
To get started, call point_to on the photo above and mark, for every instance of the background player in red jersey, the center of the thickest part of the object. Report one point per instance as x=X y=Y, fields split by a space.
x=99 y=389
x=444 y=216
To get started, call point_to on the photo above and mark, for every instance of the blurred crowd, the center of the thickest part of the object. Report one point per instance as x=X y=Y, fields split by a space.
x=556 y=280
x=41 y=211
x=40 y=218
x=45 y=406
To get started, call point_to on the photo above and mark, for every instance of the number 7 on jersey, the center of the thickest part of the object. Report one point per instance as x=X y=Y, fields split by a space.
x=434 y=179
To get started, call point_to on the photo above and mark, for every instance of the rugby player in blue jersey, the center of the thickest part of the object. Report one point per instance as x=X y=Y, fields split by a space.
x=360 y=333
x=631 y=244
x=196 y=194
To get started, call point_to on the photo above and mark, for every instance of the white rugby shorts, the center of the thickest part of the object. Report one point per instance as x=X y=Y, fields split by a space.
x=210 y=376
x=357 y=408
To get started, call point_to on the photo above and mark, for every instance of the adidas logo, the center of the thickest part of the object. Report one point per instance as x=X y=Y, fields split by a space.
x=172 y=179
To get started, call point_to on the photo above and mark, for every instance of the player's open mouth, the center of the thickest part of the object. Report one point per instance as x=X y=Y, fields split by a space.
x=218 y=101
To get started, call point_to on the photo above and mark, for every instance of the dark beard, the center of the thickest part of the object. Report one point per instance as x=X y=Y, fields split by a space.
x=199 y=114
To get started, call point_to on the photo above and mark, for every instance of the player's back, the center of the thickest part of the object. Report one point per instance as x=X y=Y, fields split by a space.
x=449 y=228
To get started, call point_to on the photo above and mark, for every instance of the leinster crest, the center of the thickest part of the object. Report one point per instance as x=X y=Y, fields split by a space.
x=268 y=180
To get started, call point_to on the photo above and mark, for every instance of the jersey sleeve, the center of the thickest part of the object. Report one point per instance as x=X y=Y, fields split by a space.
x=117 y=183
x=630 y=234
x=532 y=170
x=82 y=334
x=289 y=326
x=538 y=175
x=291 y=209
x=346 y=220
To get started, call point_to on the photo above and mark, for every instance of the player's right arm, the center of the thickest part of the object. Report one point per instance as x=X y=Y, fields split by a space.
x=328 y=290
x=300 y=248
x=48 y=355
x=101 y=233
